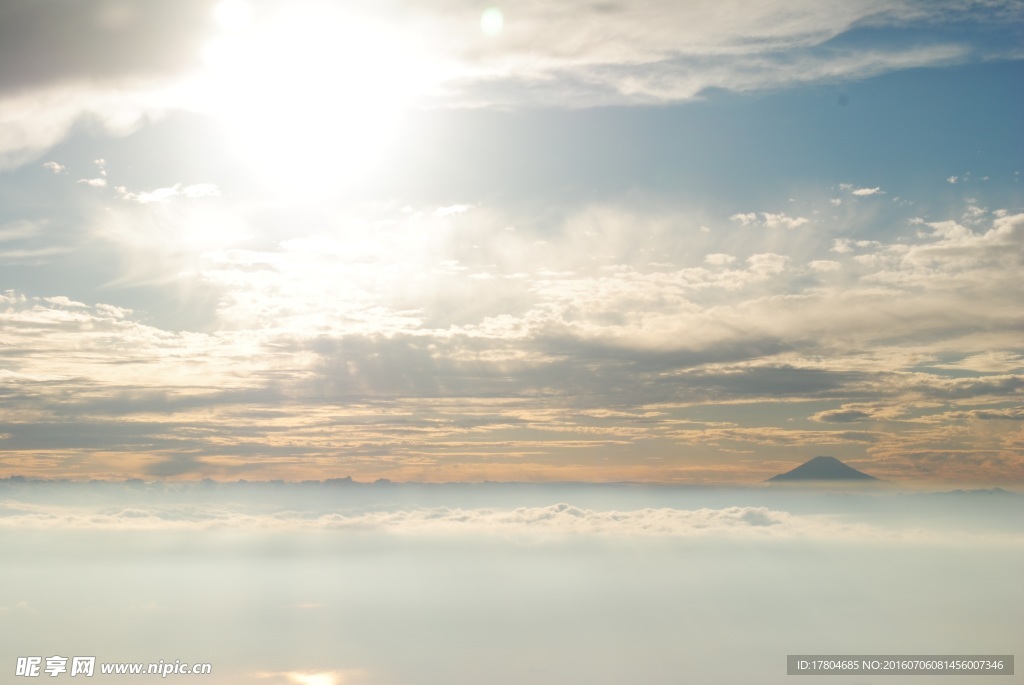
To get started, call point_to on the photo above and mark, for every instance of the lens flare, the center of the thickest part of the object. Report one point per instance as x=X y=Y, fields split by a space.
x=492 y=21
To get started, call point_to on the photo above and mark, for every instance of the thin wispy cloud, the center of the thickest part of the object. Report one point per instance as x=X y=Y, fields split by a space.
x=141 y=62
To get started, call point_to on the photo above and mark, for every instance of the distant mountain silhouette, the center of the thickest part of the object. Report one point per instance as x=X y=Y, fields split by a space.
x=822 y=468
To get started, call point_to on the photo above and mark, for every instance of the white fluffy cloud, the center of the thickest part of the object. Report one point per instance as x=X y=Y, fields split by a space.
x=769 y=220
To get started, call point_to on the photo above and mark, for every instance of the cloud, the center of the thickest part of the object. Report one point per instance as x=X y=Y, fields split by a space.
x=55 y=167
x=452 y=209
x=78 y=334
x=33 y=121
x=634 y=56
x=410 y=367
x=33 y=257
x=94 y=182
x=197 y=190
x=118 y=66
x=557 y=519
x=99 y=42
x=824 y=265
x=769 y=220
x=534 y=524
x=783 y=221
x=18 y=230
x=121 y=65
x=859 y=192
x=841 y=416
x=847 y=245
x=745 y=219
x=987 y=362
x=1016 y=414
x=768 y=263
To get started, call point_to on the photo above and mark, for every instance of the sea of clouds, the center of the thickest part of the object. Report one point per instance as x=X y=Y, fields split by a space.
x=395 y=584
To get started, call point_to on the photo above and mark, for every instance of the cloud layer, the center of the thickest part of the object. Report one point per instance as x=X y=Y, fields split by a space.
x=121 y=64
x=538 y=524
x=412 y=342
x=626 y=293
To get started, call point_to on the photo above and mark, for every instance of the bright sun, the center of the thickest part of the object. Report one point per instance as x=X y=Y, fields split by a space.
x=311 y=96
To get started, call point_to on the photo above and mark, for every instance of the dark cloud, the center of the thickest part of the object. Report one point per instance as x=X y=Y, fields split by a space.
x=425 y=366
x=772 y=381
x=966 y=388
x=114 y=402
x=95 y=435
x=178 y=465
x=1008 y=415
x=403 y=365
x=49 y=42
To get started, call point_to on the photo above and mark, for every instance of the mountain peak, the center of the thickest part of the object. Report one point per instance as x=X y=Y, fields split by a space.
x=822 y=468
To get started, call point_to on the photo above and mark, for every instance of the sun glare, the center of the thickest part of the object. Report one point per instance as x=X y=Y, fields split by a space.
x=233 y=14
x=312 y=97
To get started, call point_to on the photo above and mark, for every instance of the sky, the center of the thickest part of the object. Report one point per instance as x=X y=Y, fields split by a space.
x=443 y=241
x=384 y=343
